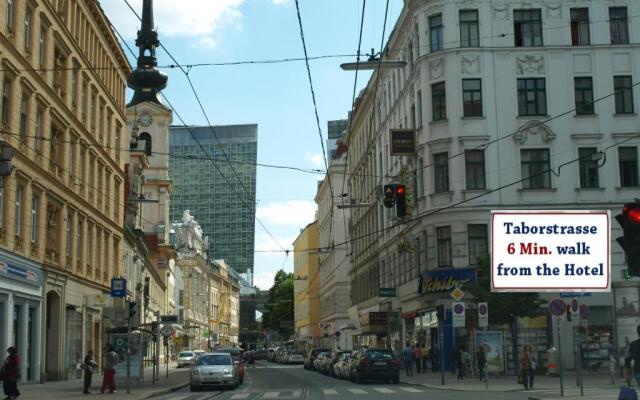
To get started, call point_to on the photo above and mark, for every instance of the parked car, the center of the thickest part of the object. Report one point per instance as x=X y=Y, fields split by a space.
x=378 y=364
x=318 y=363
x=331 y=361
x=237 y=358
x=185 y=358
x=197 y=353
x=341 y=365
x=295 y=357
x=311 y=356
x=261 y=354
x=214 y=370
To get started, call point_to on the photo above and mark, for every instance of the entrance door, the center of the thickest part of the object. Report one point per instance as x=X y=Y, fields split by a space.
x=52 y=342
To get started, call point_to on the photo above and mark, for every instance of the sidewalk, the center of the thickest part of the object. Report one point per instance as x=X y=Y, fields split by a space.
x=596 y=386
x=72 y=389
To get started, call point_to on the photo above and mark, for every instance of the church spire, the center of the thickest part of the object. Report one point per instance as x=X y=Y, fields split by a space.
x=147 y=80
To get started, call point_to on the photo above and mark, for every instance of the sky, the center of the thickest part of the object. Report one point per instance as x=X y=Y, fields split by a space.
x=277 y=97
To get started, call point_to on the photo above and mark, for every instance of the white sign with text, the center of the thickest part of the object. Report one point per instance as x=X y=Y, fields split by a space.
x=533 y=251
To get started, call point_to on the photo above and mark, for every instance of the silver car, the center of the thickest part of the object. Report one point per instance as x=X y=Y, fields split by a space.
x=214 y=370
x=185 y=358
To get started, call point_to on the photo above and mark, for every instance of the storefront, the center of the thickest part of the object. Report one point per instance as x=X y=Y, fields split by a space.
x=20 y=311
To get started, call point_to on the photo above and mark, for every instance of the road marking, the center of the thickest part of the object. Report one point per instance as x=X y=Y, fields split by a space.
x=358 y=391
x=383 y=390
x=296 y=393
x=411 y=390
x=241 y=395
x=329 y=391
x=271 y=395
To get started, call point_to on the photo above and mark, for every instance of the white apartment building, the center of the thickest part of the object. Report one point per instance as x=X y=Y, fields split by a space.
x=498 y=91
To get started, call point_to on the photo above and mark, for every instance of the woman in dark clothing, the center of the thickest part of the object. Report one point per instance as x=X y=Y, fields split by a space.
x=10 y=374
x=527 y=366
x=88 y=366
x=459 y=363
x=482 y=363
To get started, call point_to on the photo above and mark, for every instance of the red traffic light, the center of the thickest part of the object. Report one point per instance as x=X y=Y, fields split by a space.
x=400 y=189
x=634 y=215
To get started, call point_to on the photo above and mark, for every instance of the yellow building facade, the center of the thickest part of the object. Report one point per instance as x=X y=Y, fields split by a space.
x=306 y=287
x=62 y=111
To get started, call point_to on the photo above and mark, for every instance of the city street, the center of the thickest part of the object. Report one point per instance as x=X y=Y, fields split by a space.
x=270 y=381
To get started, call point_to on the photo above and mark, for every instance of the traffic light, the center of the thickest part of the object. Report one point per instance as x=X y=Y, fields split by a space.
x=629 y=221
x=133 y=309
x=6 y=155
x=389 y=196
x=401 y=203
x=440 y=312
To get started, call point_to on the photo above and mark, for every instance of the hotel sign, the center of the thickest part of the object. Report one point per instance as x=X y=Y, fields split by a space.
x=446 y=280
x=17 y=272
x=403 y=142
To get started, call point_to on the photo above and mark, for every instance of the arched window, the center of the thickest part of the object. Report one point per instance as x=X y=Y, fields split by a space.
x=147 y=142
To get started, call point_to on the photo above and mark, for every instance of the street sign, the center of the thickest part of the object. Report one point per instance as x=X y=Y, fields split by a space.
x=387 y=292
x=403 y=142
x=457 y=294
x=557 y=307
x=584 y=311
x=458 y=313
x=167 y=331
x=169 y=319
x=213 y=321
x=118 y=287
x=483 y=315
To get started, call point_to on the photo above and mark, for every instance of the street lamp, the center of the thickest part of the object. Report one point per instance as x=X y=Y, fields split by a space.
x=373 y=62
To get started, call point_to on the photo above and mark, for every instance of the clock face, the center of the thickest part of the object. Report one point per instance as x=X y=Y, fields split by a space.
x=145 y=119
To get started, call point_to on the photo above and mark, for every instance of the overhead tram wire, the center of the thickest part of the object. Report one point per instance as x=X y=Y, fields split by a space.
x=325 y=155
x=187 y=127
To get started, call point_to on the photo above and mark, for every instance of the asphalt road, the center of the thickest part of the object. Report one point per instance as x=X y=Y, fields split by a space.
x=274 y=381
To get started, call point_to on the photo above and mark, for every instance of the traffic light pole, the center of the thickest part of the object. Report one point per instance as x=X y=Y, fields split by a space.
x=440 y=328
x=128 y=348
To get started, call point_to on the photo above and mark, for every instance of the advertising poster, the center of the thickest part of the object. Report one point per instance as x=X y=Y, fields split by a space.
x=119 y=342
x=493 y=344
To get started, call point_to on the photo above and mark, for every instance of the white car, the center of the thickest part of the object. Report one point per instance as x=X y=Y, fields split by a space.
x=214 y=370
x=295 y=357
x=185 y=358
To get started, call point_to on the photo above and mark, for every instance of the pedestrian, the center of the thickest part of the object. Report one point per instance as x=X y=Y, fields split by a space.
x=10 y=373
x=407 y=357
x=252 y=358
x=109 y=378
x=528 y=366
x=417 y=356
x=88 y=365
x=633 y=354
x=460 y=363
x=482 y=363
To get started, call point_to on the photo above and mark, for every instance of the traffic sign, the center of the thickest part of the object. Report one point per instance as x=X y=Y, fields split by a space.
x=387 y=292
x=557 y=307
x=584 y=311
x=167 y=331
x=118 y=287
x=169 y=319
x=483 y=315
x=457 y=294
x=457 y=310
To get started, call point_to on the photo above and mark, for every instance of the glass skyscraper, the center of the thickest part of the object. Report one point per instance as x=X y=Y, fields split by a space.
x=222 y=203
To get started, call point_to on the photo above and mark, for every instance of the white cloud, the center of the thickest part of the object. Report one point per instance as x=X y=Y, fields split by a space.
x=280 y=2
x=200 y=19
x=264 y=280
x=292 y=212
x=316 y=159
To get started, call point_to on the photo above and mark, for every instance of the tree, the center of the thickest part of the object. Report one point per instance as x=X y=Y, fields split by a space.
x=279 y=315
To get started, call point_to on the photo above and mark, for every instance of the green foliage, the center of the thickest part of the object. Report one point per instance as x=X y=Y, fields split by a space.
x=503 y=306
x=279 y=316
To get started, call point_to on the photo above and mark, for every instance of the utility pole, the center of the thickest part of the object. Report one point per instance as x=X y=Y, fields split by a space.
x=128 y=309
x=156 y=334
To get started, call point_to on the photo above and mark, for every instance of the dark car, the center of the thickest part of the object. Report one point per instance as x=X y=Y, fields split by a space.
x=375 y=364
x=327 y=366
x=311 y=356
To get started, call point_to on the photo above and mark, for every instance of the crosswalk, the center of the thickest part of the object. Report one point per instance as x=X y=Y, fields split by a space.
x=598 y=393
x=336 y=393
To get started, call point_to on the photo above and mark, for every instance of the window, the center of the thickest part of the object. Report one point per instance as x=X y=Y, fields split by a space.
x=68 y=234
x=478 y=241
x=441 y=172
x=443 y=235
x=628 y=158
x=583 y=88
x=18 y=216
x=23 y=117
x=420 y=177
x=6 y=91
x=624 y=94
x=2 y=183
x=618 y=25
x=527 y=27
x=10 y=15
x=469 y=29
x=535 y=166
x=34 y=219
x=474 y=167
x=532 y=97
x=117 y=144
x=83 y=100
x=580 y=27
x=588 y=166
x=72 y=155
x=436 y=30
x=27 y=29
x=419 y=109
x=38 y=130
x=79 y=241
x=472 y=97
x=439 y=101
x=42 y=49
x=74 y=83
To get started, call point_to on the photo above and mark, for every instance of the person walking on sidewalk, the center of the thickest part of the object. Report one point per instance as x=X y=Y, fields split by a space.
x=407 y=357
x=10 y=373
x=459 y=363
x=109 y=378
x=482 y=363
x=633 y=354
x=88 y=365
x=528 y=366
x=417 y=357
